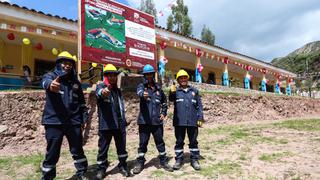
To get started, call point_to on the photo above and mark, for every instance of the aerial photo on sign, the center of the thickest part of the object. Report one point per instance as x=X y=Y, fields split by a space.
x=117 y=34
x=105 y=30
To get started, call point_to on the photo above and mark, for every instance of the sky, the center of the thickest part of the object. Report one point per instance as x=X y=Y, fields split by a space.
x=262 y=29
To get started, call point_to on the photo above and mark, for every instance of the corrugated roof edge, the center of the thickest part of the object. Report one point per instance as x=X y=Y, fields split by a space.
x=199 y=40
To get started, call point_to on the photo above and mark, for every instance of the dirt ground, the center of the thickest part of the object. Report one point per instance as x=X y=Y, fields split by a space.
x=21 y=112
x=285 y=149
x=245 y=137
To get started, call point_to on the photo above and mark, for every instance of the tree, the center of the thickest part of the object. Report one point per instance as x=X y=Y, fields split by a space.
x=170 y=23
x=149 y=7
x=207 y=35
x=179 y=19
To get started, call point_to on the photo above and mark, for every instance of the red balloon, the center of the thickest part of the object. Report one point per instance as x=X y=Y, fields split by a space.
x=163 y=45
x=226 y=60
x=39 y=46
x=11 y=36
x=264 y=71
x=199 y=53
x=249 y=68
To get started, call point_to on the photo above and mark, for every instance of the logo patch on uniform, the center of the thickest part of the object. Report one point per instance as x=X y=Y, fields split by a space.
x=193 y=94
x=75 y=86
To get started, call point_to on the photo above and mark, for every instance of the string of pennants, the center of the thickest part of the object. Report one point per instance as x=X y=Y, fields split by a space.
x=37 y=30
x=224 y=59
x=167 y=8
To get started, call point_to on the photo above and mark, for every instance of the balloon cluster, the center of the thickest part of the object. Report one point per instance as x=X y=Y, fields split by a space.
x=163 y=60
x=226 y=60
x=200 y=68
x=163 y=45
x=199 y=53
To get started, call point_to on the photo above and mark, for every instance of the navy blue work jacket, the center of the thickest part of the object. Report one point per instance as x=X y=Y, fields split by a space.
x=108 y=117
x=65 y=107
x=152 y=107
x=187 y=106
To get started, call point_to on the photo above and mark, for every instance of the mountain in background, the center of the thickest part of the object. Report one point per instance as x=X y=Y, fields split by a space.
x=303 y=60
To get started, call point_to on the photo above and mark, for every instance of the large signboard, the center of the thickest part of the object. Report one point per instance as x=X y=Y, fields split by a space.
x=114 y=33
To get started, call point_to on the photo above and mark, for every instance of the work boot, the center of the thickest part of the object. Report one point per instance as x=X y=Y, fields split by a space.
x=138 y=168
x=177 y=165
x=100 y=174
x=195 y=164
x=124 y=171
x=166 y=167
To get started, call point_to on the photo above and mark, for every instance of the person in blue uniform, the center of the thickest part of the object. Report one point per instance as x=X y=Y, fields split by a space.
x=187 y=117
x=153 y=110
x=112 y=122
x=64 y=114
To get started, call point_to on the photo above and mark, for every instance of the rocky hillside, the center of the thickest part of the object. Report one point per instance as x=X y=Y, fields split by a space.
x=298 y=60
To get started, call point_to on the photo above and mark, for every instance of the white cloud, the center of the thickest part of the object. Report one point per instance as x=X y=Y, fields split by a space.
x=263 y=29
x=6 y=1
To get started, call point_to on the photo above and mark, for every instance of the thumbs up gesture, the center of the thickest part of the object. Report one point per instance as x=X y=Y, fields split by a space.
x=146 y=94
x=105 y=92
x=55 y=85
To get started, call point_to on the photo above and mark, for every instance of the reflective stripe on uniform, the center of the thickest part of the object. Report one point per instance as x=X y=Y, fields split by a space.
x=194 y=101
x=47 y=169
x=100 y=162
x=196 y=149
x=178 y=150
x=179 y=100
x=122 y=155
x=80 y=160
x=141 y=154
x=162 y=153
x=139 y=92
x=43 y=84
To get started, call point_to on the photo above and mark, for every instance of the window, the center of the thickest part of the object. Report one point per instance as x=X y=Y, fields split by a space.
x=211 y=78
x=43 y=66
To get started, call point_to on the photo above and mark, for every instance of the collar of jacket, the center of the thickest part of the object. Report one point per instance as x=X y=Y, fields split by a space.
x=189 y=88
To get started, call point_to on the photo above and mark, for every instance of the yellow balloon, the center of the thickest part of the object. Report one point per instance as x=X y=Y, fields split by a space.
x=54 y=51
x=26 y=41
x=94 y=65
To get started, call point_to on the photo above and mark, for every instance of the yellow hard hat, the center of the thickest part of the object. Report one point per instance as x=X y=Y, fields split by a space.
x=182 y=73
x=65 y=55
x=110 y=68
x=75 y=58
